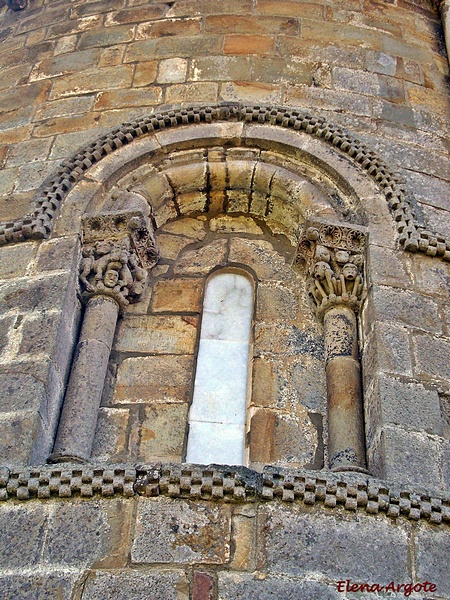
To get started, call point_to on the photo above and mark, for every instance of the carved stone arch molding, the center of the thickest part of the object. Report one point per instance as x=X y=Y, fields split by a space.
x=323 y=145
x=288 y=167
x=284 y=168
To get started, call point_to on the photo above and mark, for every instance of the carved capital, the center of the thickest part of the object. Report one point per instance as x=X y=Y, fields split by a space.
x=334 y=258
x=118 y=249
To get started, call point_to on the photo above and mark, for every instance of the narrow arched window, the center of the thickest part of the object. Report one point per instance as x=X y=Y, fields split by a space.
x=217 y=416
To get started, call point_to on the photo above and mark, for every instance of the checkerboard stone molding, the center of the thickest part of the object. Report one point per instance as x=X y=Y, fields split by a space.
x=413 y=236
x=352 y=492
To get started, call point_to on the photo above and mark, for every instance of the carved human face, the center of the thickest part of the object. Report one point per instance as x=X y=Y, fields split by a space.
x=350 y=271
x=111 y=278
x=322 y=253
x=320 y=270
x=342 y=257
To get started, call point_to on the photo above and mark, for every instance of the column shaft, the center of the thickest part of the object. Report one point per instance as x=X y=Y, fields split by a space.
x=84 y=392
x=345 y=417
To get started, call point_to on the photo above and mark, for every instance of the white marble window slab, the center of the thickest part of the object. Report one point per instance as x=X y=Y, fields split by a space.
x=218 y=443
x=221 y=381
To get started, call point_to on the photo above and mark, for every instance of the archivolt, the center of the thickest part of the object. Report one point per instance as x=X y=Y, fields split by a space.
x=412 y=236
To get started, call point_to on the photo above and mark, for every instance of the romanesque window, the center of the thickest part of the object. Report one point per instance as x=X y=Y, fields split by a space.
x=217 y=416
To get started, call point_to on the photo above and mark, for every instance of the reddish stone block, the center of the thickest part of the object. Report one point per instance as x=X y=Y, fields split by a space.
x=248 y=44
x=203 y=586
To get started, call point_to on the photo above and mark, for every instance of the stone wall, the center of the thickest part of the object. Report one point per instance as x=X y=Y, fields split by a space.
x=357 y=135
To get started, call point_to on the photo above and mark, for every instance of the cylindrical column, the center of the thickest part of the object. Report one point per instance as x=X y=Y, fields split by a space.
x=445 y=16
x=345 y=418
x=79 y=415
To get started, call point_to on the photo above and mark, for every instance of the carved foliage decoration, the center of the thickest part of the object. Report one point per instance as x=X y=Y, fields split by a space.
x=118 y=249
x=334 y=255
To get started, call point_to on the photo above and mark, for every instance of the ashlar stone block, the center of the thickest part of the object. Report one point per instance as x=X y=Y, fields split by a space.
x=154 y=379
x=124 y=585
x=14 y=260
x=433 y=552
x=157 y=335
x=22 y=534
x=39 y=586
x=178 y=295
x=86 y=534
x=302 y=544
x=181 y=531
x=246 y=586
x=163 y=432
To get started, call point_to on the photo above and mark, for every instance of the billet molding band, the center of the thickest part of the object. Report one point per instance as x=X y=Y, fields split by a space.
x=413 y=236
x=351 y=492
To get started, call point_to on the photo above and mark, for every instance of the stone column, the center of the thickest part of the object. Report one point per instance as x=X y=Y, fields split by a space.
x=444 y=8
x=118 y=250
x=334 y=255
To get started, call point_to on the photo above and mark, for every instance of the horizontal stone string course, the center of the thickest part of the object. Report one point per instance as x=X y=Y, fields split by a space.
x=352 y=492
x=412 y=236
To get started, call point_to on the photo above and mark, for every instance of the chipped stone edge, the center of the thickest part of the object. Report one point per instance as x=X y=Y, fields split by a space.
x=412 y=236
x=354 y=492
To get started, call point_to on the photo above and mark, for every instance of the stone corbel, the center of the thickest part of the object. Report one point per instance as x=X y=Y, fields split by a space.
x=118 y=250
x=334 y=257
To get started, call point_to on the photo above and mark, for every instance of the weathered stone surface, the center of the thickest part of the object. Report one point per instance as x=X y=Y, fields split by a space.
x=145 y=73
x=203 y=588
x=110 y=435
x=248 y=587
x=20 y=391
x=402 y=306
x=123 y=585
x=276 y=303
x=170 y=246
x=172 y=70
x=227 y=224
x=248 y=44
x=221 y=68
x=39 y=586
x=386 y=349
x=192 y=92
x=32 y=175
x=93 y=533
x=243 y=528
x=408 y=457
x=169 y=28
x=203 y=260
x=433 y=549
x=23 y=531
x=287 y=340
x=192 y=228
x=163 y=433
x=18 y=432
x=29 y=151
x=58 y=254
x=153 y=379
x=181 y=531
x=157 y=335
x=260 y=256
x=177 y=295
x=302 y=544
x=403 y=403
x=39 y=293
x=109 y=77
x=432 y=357
x=15 y=260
